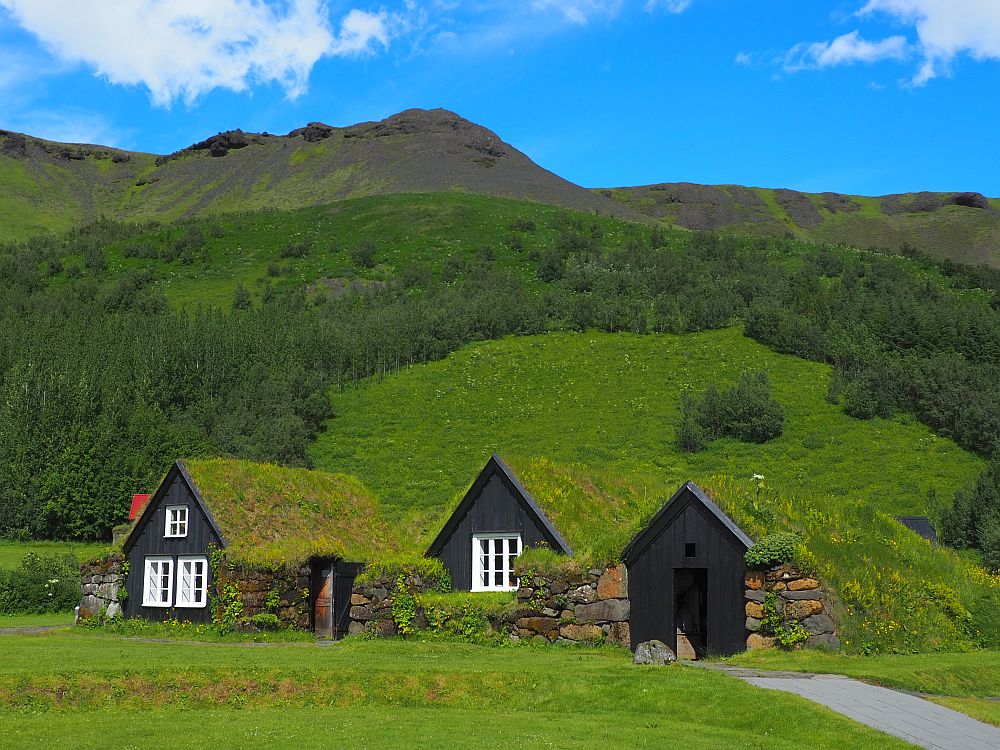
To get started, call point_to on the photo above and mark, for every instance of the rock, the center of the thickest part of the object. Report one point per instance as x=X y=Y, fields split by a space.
x=784 y=572
x=385 y=627
x=567 y=614
x=654 y=652
x=14 y=144
x=798 y=595
x=753 y=624
x=603 y=611
x=829 y=641
x=559 y=587
x=583 y=594
x=524 y=593
x=107 y=591
x=314 y=132
x=820 y=624
x=360 y=599
x=754 y=579
x=114 y=610
x=755 y=610
x=361 y=613
x=971 y=200
x=756 y=642
x=612 y=583
x=539 y=624
x=355 y=628
x=620 y=634
x=581 y=632
x=755 y=596
x=92 y=604
x=803 y=584
x=800 y=610
x=780 y=586
x=549 y=612
x=379 y=592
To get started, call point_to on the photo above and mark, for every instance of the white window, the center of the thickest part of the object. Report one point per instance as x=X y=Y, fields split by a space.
x=157 y=587
x=192 y=581
x=177 y=521
x=493 y=558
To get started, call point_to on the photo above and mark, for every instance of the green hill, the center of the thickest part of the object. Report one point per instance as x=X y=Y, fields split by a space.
x=588 y=419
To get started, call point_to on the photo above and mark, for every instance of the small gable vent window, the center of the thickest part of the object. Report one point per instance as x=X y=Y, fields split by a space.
x=493 y=558
x=192 y=582
x=177 y=521
x=690 y=550
x=157 y=587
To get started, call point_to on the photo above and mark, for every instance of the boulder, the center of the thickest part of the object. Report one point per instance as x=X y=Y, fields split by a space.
x=355 y=628
x=583 y=594
x=756 y=642
x=549 y=612
x=800 y=610
x=359 y=600
x=753 y=624
x=612 y=583
x=803 y=584
x=829 y=641
x=608 y=610
x=799 y=595
x=581 y=632
x=753 y=609
x=971 y=200
x=754 y=596
x=754 y=580
x=114 y=610
x=361 y=613
x=654 y=652
x=543 y=625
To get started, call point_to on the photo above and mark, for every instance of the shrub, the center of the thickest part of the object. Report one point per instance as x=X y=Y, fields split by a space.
x=241 y=298
x=364 y=254
x=265 y=621
x=40 y=584
x=974 y=520
x=745 y=412
x=295 y=249
x=773 y=549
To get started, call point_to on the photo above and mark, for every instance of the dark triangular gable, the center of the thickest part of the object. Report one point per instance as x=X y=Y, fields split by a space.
x=150 y=508
x=493 y=466
x=688 y=493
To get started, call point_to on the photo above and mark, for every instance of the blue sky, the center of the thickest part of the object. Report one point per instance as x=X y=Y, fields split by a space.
x=858 y=96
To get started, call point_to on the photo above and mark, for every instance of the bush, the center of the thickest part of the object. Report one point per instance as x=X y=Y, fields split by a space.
x=773 y=549
x=40 y=585
x=265 y=621
x=974 y=520
x=295 y=250
x=364 y=254
x=746 y=412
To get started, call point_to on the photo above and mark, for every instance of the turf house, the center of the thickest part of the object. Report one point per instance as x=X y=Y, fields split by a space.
x=285 y=537
x=495 y=521
x=686 y=577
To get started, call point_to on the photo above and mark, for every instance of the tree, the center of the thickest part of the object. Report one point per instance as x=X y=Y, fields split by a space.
x=241 y=298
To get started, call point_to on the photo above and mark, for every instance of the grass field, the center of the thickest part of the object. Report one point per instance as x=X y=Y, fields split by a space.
x=36 y=621
x=84 y=692
x=578 y=415
x=11 y=553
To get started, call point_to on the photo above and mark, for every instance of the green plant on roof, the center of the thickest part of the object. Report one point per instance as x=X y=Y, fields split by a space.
x=773 y=549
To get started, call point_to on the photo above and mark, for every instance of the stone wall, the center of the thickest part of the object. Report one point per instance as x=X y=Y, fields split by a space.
x=584 y=607
x=288 y=586
x=798 y=598
x=100 y=584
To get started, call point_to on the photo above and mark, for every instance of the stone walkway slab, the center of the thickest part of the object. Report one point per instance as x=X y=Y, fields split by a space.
x=906 y=716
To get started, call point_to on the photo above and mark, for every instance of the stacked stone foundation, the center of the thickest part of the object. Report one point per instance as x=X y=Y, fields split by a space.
x=798 y=598
x=101 y=588
x=288 y=586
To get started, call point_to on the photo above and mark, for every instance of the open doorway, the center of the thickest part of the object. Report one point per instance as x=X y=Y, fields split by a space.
x=691 y=612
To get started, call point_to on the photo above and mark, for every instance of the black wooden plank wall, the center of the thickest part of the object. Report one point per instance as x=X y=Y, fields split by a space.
x=497 y=509
x=151 y=541
x=651 y=582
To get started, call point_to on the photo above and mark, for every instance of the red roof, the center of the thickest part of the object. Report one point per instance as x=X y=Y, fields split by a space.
x=138 y=503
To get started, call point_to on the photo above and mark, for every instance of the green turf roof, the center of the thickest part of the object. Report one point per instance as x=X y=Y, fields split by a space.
x=272 y=515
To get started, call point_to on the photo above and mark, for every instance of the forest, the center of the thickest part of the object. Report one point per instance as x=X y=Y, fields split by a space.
x=104 y=382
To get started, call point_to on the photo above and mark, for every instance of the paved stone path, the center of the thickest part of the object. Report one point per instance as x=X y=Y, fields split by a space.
x=909 y=717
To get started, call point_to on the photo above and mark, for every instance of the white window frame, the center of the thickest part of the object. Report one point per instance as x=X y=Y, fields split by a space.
x=180 y=521
x=479 y=574
x=147 y=591
x=194 y=561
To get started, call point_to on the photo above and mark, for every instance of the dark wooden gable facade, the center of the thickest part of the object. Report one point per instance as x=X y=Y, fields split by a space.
x=148 y=539
x=496 y=503
x=689 y=544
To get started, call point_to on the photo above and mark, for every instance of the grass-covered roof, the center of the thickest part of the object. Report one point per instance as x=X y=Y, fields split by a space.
x=273 y=515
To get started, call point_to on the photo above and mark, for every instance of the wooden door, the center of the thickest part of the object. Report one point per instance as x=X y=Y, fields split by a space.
x=323 y=607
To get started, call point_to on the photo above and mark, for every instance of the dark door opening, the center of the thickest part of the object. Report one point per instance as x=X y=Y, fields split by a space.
x=323 y=603
x=691 y=612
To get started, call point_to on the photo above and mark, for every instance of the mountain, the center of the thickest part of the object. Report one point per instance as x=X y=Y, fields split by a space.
x=964 y=227
x=46 y=186
x=53 y=186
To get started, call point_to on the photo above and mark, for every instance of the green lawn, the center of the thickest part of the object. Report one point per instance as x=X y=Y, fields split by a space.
x=11 y=553
x=82 y=692
x=36 y=621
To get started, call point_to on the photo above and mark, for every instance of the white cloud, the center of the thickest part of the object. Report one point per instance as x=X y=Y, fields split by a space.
x=844 y=50
x=671 y=6
x=183 y=48
x=945 y=29
x=580 y=11
x=66 y=126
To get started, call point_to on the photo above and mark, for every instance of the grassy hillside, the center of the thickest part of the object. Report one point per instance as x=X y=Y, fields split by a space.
x=587 y=420
x=963 y=227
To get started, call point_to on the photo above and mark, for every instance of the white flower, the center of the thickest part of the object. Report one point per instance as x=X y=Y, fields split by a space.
x=758 y=477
